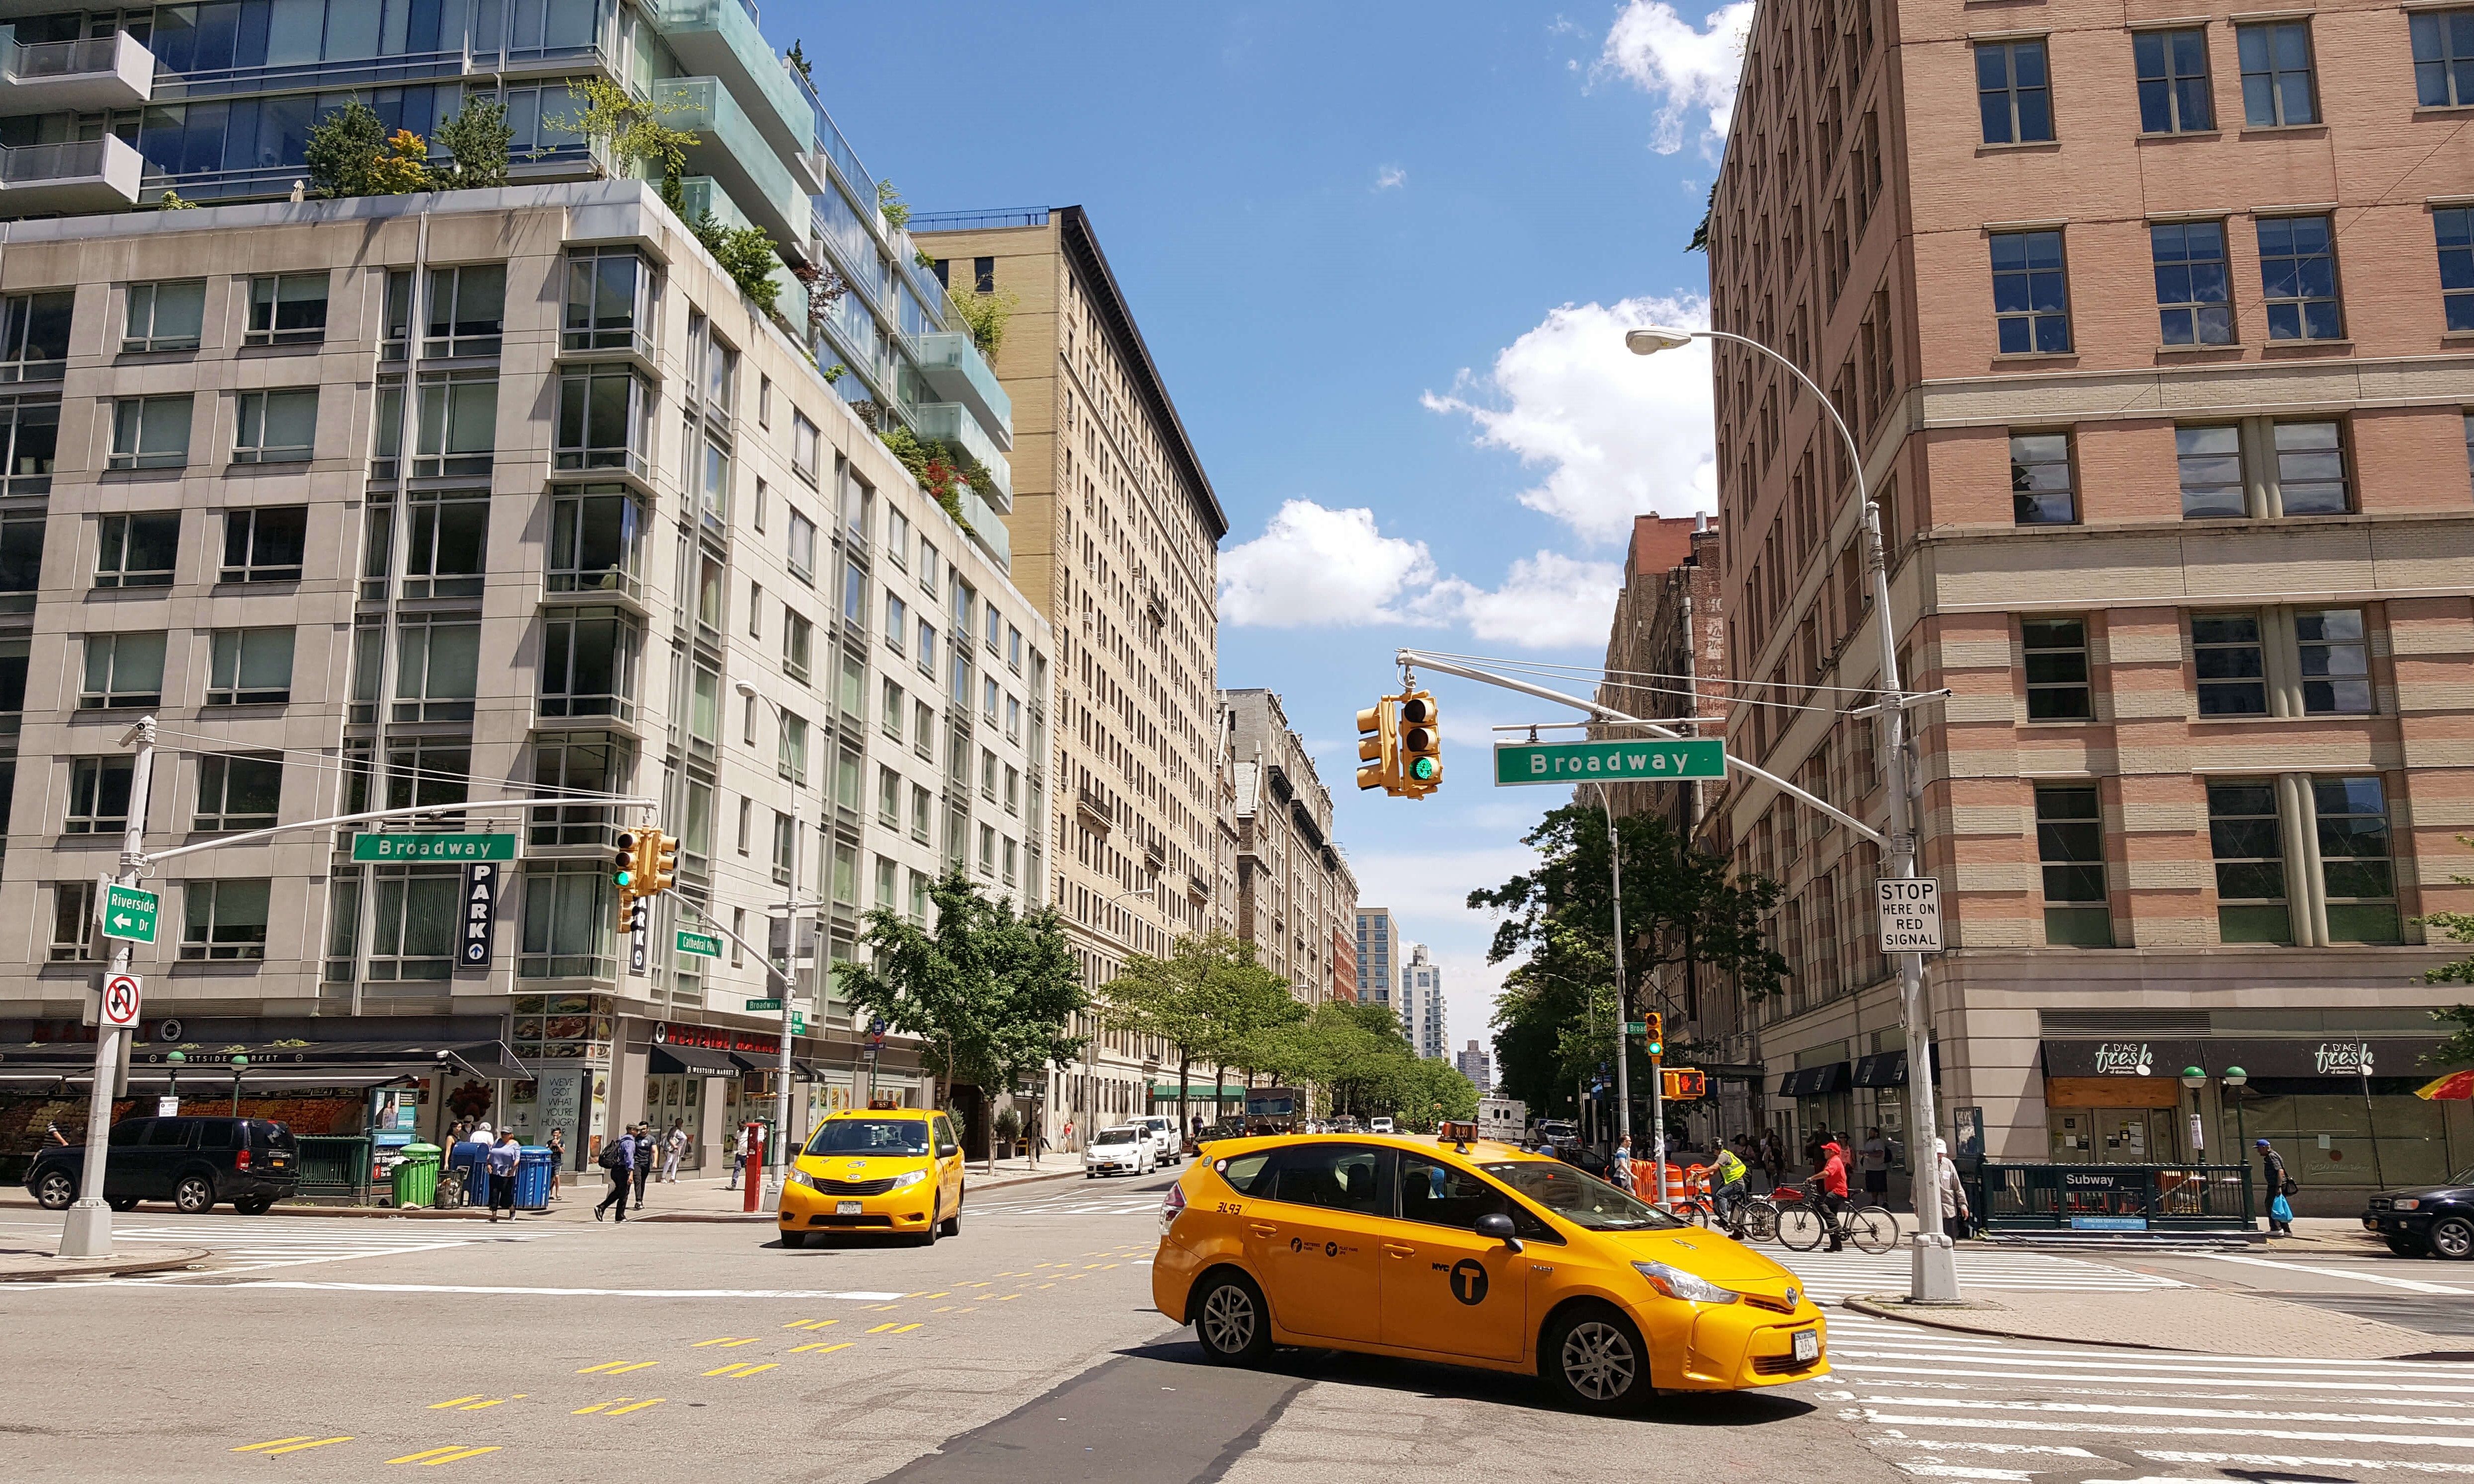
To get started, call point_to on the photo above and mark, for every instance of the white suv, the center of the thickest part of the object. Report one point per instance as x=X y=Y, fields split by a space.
x=1379 y=1126
x=1123 y=1150
x=1167 y=1149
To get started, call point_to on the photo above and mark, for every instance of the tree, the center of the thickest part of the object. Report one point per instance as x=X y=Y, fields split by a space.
x=342 y=150
x=1202 y=999
x=888 y=201
x=985 y=316
x=476 y=139
x=2459 y=1049
x=402 y=167
x=745 y=254
x=630 y=133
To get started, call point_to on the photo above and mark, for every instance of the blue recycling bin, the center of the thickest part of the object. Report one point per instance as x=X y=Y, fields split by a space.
x=534 y=1167
x=471 y=1160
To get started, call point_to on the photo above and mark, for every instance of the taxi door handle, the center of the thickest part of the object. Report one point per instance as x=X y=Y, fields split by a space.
x=1397 y=1250
x=1260 y=1229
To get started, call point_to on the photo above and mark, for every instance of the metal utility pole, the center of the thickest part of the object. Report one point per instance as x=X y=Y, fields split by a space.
x=86 y=1232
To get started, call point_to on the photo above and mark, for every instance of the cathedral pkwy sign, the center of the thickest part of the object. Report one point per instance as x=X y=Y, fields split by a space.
x=1654 y=761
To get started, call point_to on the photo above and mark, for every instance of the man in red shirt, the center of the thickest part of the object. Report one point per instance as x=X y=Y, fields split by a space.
x=1834 y=1188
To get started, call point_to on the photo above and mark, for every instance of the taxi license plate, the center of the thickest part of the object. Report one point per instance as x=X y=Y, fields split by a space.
x=845 y=1207
x=1807 y=1344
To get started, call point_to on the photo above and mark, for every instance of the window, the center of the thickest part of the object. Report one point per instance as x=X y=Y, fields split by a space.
x=164 y=315
x=2210 y=469
x=2310 y=469
x=275 y=427
x=2454 y=226
x=923 y=730
x=2192 y=307
x=2276 y=73
x=2297 y=271
x=137 y=551
x=584 y=762
x=922 y=809
x=605 y=420
x=447 y=534
x=265 y=545
x=458 y=431
x=803 y=548
x=2040 y=479
x=415 y=911
x=2173 y=93
x=2069 y=842
x=225 y=919
x=709 y=476
x=897 y=536
x=2013 y=94
x=73 y=925
x=289 y=309
x=150 y=432
x=2231 y=660
x=589 y=663
x=2031 y=301
x=803 y=447
x=891 y=717
x=927 y=647
x=238 y=792
x=786 y=840
x=927 y=564
x=1012 y=789
x=897 y=621
x=609 y=301
x=790 y=751
x=30 y=442
x=853 y=691
x=2056 y=651
x=98 y=796
x=1013 y=719
x=2242 y=835
x=761 y=492
x=468 y=310
x=1335 y=1177
x=2356 y=871
x=437 y=668
x=1013 y=648
x=249 y=667
x=796 y=634
x=987 y=775
x=754 y=609
x=889 y=797
x=846 y=779
x=123 y=670
x=35 y=335
x=988 y=694
x=567 y=930
x=2443 y=59
x=988 y=850
x=2333 y=661
x=855 y=602
x=596 y=541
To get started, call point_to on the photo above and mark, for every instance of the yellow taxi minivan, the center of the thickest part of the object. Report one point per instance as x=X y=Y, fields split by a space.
x=878 y=1170
x=1474 y=1254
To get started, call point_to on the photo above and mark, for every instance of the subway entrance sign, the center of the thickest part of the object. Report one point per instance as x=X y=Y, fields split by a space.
x=411 y=846
x=1651 y=762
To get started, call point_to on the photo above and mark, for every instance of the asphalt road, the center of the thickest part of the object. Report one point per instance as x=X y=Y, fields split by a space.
x=1024 y=1352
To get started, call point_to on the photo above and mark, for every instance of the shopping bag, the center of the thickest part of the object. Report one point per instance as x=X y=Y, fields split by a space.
x=2280 y=1209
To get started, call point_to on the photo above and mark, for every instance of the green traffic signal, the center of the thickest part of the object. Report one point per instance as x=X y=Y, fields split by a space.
x=1422 y=769
x=621 y=878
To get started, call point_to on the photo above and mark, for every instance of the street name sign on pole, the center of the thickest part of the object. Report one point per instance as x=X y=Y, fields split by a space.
x=122 y=995
x=1910 y=912
x=411 y=846
x=1652 y=760
x=700 y=945
x=764 y=1004
x=128 y=912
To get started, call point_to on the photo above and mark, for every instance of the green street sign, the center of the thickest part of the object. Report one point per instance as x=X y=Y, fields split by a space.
x=1654 y=761
x=1636 y=1027
x=763 y=1004
x=128 y=912
x=701 y=945
x=434 y=847
x=798 y=1023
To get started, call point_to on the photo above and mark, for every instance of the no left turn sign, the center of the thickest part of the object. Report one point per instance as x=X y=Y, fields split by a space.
x=121 y=994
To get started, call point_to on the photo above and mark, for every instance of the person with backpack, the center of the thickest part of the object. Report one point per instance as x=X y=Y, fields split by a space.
x=2279 y=1185
x=619 y=1160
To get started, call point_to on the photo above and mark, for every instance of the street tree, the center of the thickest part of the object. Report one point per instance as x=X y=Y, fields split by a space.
x=2458 y=1050
x=1200 y=999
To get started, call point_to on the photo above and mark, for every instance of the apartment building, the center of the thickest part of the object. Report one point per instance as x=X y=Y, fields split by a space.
x=1378 y=960
x=1667 y=655
x=467 y=497
x=1296 y=895
x=1116 y=533
x=1477 y=1067
x=2172 y=461
x=1421 y=991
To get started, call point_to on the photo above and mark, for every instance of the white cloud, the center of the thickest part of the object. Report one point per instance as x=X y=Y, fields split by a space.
x=1313 y=566
x=1659 y=53
x=1549 y=601
x=1391 y=178
x=1618 y=435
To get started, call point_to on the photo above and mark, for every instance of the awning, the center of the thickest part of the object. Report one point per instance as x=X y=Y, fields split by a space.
x=1813 y=1081
x=806 y=1071
x=1197 y=1092
x=290 y=1061
x=691 y=1059
x=1889 y=1070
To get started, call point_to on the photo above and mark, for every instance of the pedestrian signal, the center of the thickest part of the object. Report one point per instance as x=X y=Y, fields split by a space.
x=1378 y=746
x=1421 y=745
x=1684 y=1084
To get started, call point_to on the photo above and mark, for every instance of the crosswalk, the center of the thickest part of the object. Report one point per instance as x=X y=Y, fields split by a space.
x=1832 y=1276
x=1077 y=1198
x=245 y=1244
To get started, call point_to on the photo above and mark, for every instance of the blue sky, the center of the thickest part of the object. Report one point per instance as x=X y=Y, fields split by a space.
x=1383 y=255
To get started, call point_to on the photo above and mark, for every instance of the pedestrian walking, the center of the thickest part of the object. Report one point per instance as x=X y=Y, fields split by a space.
x=647 y=1150
x=2279 y=1185
x=1622 y=1168
x=1832 y=1180
x=1069 y=1134
x=557 y=1160
x=1955 y=1219
x=672 y=1149
x=620 y=1160
x=503 y=1157
x=1876 y=1168
x=737 y=1142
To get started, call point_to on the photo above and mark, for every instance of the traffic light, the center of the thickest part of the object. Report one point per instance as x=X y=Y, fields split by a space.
x=662 y=868
x=1378 y=744
x=1655 y=1033
x=622 y=870
x=1684 y=1084
x=1421 y=745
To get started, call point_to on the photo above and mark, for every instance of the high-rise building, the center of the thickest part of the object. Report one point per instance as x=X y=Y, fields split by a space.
x=1421 y=991
x=1666 y=656
x=1296 y=895
x=1379 y=961
x=2172 y=455
x=482 y=498
x=1477 y=1067
x=1115 y=534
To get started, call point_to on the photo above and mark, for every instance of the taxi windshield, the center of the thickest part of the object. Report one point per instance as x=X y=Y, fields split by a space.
x=1581 y=1199
x=889 y=1136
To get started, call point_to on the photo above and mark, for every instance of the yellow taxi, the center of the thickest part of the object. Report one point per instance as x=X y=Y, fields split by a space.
x=886 y=1169
x=1476 y=1253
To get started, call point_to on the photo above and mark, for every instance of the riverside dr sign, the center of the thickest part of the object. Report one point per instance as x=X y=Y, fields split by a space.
x=1580 y=762
x=1910 y=912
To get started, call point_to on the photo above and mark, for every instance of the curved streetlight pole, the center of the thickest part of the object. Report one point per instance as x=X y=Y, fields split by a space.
x=776 y=1159
x=1934 y=1277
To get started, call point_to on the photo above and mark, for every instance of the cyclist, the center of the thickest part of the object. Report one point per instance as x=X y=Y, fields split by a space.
x=1727 y=1182
x=1832 y=1180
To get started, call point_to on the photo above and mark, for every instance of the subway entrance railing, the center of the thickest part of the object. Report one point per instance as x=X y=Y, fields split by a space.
x=2116 y=1197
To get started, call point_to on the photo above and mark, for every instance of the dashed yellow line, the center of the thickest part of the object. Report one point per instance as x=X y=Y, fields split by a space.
x=726 y=1342
x=947 y=1294
x=617 y=1366
x=290 y=1445
x=615 y=1409
x=943 y=1308
x=1008 y=1298
x=810 y=1324
x=440 y=1406
x=820 y=1348
x=743 y=1369
x=432 y=1457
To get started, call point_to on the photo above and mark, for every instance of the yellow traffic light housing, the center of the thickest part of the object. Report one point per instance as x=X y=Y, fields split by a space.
x=1378 y=746
x=1421 y=742
x=1655 y=1033
x=664 y=864
x=622 y=870
x=1684 y=1084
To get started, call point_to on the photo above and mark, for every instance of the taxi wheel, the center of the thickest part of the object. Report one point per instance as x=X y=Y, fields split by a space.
x=927 y=1238
x=794 y=1238
x=1230 y=1321
x=952 y=1226
x=1593 y=1361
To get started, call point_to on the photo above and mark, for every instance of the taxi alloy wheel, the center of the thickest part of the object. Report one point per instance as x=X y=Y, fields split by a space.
x=1229 y=1319
x=1595 y=1360
x=2452 y=1236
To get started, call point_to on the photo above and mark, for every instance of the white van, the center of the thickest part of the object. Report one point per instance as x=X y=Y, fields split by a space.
x=1378 y=1126
x=1167 y=1149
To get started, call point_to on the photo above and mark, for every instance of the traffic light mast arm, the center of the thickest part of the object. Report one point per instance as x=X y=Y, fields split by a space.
x=484 y=806
x=1427 y=662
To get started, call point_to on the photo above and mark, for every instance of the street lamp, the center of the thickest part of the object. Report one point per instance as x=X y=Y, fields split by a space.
x=176 y=1060
x=1934 y=1276
x=2236 y=1079
x=239 y=1065
x=771 y=1166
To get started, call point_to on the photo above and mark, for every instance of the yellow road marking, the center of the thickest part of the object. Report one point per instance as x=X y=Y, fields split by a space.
x=441 y=1406
x=1075 y=1278
x=743 y=1369
x=1048 y=1285
x=635 y=1406
x=479 y=1406
x=298 y=1446
x=252 y=1448
x=1008 y=1298
x=881 y=1329
x=905 y=1329
x=810 y=1324
x=617 y=1366
x=587 y=1411
x=431 y=1457
x=726 y=1342
x=1106 y=1266
x=947 y=1294
x=879 y=1307
x=820 y=1348
x=972 y=1309
x=943 y=1308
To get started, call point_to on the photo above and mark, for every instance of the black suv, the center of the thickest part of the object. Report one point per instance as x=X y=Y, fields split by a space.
x=191 y=1162
x=2438 y=1220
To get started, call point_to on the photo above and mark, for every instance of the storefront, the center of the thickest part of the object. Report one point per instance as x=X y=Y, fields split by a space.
x=1881 y=1100
x=1823 y=1104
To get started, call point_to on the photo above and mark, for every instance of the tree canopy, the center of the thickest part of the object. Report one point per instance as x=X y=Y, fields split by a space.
x=1205 y=999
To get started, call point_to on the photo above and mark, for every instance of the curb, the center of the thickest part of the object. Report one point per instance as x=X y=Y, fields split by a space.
x=176 y=1257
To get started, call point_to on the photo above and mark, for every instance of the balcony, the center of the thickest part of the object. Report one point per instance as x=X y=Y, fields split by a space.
x=58 y=77
x=952 y=422
x=740 y=158
x=987 y=528
x=721 y=37
x=89 y=174
x=956 y=372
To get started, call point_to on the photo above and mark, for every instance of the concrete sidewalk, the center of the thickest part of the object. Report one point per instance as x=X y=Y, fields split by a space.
x=2197 y=1321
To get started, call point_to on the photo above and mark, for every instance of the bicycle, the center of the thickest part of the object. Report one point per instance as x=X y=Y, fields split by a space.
x=1751 y=1218
x=1801 y=1226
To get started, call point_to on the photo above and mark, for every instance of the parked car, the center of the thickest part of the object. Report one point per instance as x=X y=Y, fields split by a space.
x=1378 y=1125
x=1124 y=1150
x=2431 y=1220
x=192 y=1162
x=1167 y=1148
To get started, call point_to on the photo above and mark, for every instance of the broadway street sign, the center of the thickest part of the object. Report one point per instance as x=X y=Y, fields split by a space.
x=424 y=846
x=1581 y=762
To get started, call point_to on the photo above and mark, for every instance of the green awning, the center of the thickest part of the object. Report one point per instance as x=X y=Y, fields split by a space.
x=1202 y=1092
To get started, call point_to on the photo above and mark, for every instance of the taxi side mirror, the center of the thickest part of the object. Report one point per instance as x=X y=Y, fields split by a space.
x=1499 y=1225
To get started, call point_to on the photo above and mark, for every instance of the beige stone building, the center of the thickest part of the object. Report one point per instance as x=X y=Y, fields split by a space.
x=1296 y=898
x=2152 y=323
x=1115 y=535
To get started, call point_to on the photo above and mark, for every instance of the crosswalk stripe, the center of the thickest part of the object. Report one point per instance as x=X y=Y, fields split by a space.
x=2289 y=1461
x=2151 y=1430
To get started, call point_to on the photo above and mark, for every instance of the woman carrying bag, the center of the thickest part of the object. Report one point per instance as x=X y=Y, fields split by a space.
x=1955 y=1219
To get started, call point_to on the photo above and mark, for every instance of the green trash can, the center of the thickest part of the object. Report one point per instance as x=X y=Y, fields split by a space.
x=415 y=1177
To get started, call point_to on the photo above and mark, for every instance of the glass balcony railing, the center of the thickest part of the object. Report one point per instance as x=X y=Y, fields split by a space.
x=721 y=38
x=987 y=528
x=952 y=422
x=956 y=372
x=737 y=155
x=87 y=175
x=101 y=72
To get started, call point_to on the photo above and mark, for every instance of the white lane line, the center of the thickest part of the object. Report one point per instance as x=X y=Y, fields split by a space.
x=2287 y=1434
x=2263 y=1383
x=624 y=1293
x=1939 y=1446
x=2289 y=1461
x=2228 y=1414
x=2157 y=1364
x=2321 y=1270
